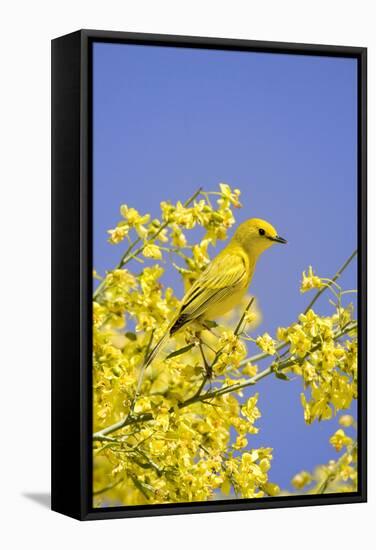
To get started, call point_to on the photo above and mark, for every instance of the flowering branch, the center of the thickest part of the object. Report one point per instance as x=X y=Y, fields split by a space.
x=332 y=281
x=274 y=367
x=260 y=356
x=127 y=257
x=334 y=470
x=203 y=397
x=177 y=425
x=199 y=396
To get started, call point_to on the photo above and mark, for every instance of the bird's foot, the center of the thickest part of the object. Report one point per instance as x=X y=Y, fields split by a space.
x=208 y=372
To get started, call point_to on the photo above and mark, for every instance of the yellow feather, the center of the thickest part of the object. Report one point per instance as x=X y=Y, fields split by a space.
x=223 y=284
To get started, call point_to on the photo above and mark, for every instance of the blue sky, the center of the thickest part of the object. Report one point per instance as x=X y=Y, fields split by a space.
x=281 y=128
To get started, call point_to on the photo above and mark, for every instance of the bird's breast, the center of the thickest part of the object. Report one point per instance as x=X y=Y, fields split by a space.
x=227 y=304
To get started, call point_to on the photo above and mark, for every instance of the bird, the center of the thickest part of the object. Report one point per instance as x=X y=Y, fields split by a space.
x=224 y=282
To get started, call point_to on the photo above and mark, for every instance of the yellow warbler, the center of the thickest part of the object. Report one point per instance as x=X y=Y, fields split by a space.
x=224 y=282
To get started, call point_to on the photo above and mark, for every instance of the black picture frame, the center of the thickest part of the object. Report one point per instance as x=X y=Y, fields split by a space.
x=72 y=272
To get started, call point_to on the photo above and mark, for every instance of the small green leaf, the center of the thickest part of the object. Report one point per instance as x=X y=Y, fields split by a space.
x=131 y=336
x=180 y=351
x=282 y=376
x=210 y=324
x=143 y=465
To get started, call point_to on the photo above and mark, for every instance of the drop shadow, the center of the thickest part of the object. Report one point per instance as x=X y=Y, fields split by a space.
x=43 y=499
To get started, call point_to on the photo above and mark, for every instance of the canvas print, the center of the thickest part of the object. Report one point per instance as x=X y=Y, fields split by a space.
x=224 y=360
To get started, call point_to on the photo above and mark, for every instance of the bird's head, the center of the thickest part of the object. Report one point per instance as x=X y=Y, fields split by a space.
x=257 y=235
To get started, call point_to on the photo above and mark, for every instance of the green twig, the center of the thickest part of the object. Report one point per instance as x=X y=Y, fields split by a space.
x=239 y=325
x=333 y=280
x=108 y=487
x=321 y=489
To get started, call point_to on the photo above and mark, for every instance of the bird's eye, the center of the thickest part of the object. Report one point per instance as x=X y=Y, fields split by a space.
x=262 y=231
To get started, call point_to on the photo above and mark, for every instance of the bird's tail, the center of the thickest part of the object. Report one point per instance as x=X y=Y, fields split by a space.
x=176 y=324
x=157 y=348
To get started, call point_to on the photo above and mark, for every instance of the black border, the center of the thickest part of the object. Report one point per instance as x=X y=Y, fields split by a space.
x=72 y=200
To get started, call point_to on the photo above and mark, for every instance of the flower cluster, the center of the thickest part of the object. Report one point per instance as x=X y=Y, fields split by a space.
x=337 y=476
x=131 y=220
x=323 y=351
x=183 y=431
x=249 y=474
x=232 y=352
x=266 y=343
x=179 y=217
x=175 y=446
x=310 y=281
x=178 y=454
x=340 y=440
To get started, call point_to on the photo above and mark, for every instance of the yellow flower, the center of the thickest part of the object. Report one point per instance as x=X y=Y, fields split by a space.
x=229 y=196
x=307 y=409
x=308 y=372
x=310 y=323
x=299 y=481
x=142 y=405
x=250 y=369
x=265 y=464
x=121 y=278
x=184 y=216
x=300 y=343
x=99 y=314
x=346 y=421
x=200 y=254
x=250 y=410
x=152 y=251
x=177 y=236
x=271 y=489
x=167 y=210
x=96 y=276
x=118 y=234
x=282 y=334
x=310 y=281
x=232 y=351
x=266 y=343
x=340 y=440
x=252 y=316
x=240 y=442
x=133 y=217
x=329 y=357
x=145 y=322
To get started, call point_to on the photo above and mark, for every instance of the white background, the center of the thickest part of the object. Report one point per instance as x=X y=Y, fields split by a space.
x=27 y=27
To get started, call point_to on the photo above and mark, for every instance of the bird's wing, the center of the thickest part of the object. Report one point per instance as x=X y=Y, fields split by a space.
x=226 y=273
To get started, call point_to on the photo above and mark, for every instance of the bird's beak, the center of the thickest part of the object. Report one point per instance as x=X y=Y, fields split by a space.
x=278 y=239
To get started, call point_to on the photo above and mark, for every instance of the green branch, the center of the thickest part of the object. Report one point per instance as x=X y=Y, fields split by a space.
x=322 y=487
x=333 y=280
x=107 y=488
x=237 y=331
